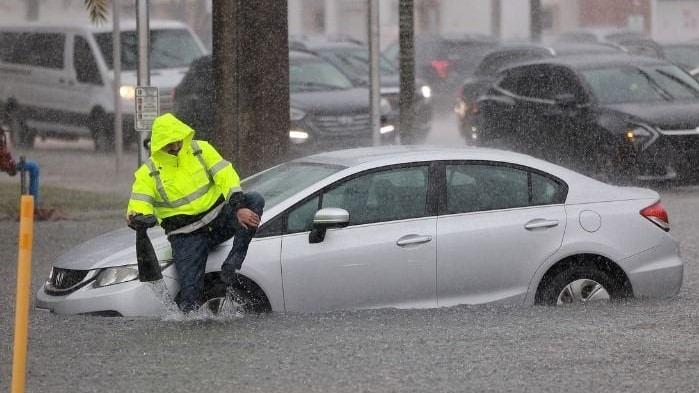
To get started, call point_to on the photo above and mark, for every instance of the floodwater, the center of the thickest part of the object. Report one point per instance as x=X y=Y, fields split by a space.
x=637 y=346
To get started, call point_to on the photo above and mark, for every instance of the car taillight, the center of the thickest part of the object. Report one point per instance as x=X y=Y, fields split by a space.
x=441 y=67
x=657 y=215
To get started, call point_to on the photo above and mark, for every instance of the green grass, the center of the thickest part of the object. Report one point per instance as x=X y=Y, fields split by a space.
x=70 y=202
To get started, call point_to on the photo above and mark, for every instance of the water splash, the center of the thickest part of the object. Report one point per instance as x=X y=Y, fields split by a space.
x=160 y=290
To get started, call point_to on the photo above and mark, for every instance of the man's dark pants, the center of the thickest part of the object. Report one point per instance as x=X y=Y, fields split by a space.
x=190 y=250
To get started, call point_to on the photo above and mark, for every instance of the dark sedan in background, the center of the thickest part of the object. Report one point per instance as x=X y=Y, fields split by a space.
x=505 y=56
x=327 y=110
x=352 y=58
x=629 y=118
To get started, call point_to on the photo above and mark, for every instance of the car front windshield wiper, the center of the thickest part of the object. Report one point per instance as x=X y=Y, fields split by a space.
x=317 y=86
x=655 y=85
x=678 y=80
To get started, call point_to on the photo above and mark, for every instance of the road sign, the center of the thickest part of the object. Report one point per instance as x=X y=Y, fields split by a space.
x=147 y=107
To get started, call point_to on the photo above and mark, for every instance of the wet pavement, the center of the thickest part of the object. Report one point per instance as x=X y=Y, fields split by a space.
x=638 y=346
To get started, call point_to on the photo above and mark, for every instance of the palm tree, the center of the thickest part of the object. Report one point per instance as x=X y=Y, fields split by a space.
x=97 y=10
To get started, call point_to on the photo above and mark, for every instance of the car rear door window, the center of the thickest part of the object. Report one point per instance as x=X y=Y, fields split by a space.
x=40 y=50
x=480 y=187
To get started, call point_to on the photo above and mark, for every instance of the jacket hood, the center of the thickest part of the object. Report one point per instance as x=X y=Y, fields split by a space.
x=167 y=129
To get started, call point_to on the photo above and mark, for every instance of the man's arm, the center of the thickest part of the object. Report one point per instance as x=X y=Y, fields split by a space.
x=142 y=195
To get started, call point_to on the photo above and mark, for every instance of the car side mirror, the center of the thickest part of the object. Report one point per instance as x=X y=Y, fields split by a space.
x=327 y=218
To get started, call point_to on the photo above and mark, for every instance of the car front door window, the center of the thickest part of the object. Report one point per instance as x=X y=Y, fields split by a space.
x=387 y=195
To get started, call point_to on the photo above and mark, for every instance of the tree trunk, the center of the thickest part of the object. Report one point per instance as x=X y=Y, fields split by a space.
x=251 y=75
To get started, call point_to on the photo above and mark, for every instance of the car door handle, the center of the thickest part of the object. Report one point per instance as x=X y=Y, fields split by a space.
x=540 y=223
x=413 y=239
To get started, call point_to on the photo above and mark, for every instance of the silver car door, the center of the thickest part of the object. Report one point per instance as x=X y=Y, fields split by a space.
x=495 y=234
x=386 y=257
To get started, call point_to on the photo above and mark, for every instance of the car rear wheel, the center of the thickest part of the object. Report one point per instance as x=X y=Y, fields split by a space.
x=102 y=128
x=19 y=133
x=579 y=285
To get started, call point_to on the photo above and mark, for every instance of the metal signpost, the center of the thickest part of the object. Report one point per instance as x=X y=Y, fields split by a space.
x=142 y=26
x=147 y=107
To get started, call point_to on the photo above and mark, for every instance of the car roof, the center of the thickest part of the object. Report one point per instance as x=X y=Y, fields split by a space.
x=127 y=24
x=587 y=62
x=559 y=48
x=408 y=153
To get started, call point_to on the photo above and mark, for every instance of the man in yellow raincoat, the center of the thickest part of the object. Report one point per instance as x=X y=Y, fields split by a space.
x=195 y=194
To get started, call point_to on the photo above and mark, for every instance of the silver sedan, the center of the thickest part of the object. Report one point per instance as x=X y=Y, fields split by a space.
x=406 y=227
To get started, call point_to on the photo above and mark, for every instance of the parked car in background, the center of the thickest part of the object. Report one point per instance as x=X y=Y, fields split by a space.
x=58 y=80
x=684 y=54
x=507 y=55
x=352 y=58
x=327 y=111
x=630 y=118
x=633 y=42
x=406 y=227
x=444 y=61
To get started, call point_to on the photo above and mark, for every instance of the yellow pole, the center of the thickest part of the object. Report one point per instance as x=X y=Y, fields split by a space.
x=24 y=271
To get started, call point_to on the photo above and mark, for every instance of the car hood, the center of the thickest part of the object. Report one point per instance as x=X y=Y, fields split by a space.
x=162 y=79
x=333 y=101
x=667 y=116
x=116 y=248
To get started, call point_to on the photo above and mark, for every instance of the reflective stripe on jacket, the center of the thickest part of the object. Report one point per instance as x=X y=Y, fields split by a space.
x=187 y=184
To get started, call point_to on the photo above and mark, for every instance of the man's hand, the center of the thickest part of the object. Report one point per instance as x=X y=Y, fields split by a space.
x=247 y=218
x=128 y=217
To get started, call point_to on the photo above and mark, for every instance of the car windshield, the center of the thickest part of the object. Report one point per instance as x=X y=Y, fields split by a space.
x=356 y=62
x=640 y=84
x=684 y=56
x=169 y=48
x=280 y=182
x=315 y=75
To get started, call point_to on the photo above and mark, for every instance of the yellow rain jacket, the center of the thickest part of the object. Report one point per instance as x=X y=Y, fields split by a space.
x=184 y=190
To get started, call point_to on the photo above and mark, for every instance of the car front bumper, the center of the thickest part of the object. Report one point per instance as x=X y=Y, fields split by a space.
x=131 y=299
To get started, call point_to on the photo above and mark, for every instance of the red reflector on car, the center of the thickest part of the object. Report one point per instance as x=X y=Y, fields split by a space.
x=441 y=67
x=657 y=214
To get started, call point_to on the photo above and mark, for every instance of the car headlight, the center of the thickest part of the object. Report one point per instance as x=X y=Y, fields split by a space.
x=641 y=136
x=127 y=92
x=298 y=136
x=120 y=274
x=426 y=91
x=296 y=114
x=385 y=107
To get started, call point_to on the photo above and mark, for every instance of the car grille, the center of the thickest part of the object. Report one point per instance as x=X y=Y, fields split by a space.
x=353 y=124
x=65 y=281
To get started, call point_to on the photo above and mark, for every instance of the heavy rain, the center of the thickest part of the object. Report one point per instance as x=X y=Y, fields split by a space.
x=401 y=291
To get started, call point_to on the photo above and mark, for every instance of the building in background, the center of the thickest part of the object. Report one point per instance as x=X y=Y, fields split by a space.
x=507 y=19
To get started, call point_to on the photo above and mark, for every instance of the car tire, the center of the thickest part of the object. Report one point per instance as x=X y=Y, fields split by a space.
x=102 y=129
x=231 y=300
x=19 y=133
x=581 y=284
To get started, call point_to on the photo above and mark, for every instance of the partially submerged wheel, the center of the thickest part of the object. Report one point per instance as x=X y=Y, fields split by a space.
x=580 y=284
x=102 y=129
x=582 y=291
x=19 y=133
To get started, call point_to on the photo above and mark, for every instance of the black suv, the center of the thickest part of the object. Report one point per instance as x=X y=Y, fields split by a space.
x=327 y=111
x=629 y=118
x=444 y=61
x=352 y=58
x=505 y=56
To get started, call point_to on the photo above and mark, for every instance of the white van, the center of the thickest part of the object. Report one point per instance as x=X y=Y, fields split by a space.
x=57 y=81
